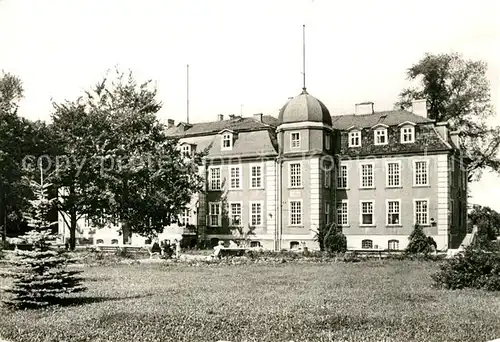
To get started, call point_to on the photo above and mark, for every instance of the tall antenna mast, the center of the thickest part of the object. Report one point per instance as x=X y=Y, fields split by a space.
x=304 y=58
x=187 y=93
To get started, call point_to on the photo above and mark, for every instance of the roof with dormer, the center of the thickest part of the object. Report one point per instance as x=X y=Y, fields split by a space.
x=214 y=127
x=304 y=108
x=388 y=118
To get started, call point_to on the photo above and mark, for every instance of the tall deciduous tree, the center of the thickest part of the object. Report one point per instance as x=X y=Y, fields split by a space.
x=147 y=180
x=458 y=92
x=119 y=164
x=79 y=133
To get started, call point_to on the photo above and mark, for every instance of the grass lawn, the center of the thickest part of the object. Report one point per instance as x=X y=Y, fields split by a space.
x=366 y=301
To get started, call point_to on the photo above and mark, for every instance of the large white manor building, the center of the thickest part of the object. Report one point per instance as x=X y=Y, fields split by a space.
x=375 y=174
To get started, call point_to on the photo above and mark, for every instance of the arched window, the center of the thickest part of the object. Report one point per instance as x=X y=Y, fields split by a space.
x=294 y=245
x=100 y=241
x=114 y=241
x=393 y=245
x=367 y=244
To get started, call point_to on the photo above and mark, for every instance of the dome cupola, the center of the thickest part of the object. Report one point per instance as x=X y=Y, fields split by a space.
x=303 y=108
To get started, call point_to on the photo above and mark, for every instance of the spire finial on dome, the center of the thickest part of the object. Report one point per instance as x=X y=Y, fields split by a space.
x=304 y=59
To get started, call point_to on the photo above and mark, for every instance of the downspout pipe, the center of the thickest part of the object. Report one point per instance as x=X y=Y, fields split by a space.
x=279 y=200
x=279 y=189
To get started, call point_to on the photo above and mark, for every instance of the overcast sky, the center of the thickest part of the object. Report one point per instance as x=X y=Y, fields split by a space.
x=242 y=52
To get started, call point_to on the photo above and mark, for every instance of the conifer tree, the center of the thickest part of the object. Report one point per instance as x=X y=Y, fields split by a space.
x=419 y=242
x=39 y=276
x=334 y=241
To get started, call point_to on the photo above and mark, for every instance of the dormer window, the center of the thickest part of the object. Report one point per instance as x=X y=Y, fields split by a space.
x=227 y=141
x=295 y=140
x=354 y=139
x=407 y=134
x=380 y=136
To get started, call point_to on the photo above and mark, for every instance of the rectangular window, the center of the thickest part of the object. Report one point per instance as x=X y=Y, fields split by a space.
x=295 y=140
x=393 y=174
x=367 y=244
x=393 y=212
x=214 y=214
x=420 y=172
x=327 y=212
x=451 y=219
x=421 y=212
x=393 y=245
x=235 y=214
x=342 y=177
x=256 y=176
x=342 y=218
x=214 y=181
x=367 y=176
x=327 y=141
x=407 y=135
x=367 y=213
x=295 y=175
x=186 y=150
x=256 y=213
x=295 y=213
x=185 y=217
x=227 y=141
x=355 y=139
x=235 y=177
x=327 y=167
x=380 y=136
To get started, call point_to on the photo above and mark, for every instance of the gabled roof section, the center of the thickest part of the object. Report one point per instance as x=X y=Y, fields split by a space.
x=214 y=127
x=354 y=128
x=184 y=124
x=389 y=118
x=227 y=130
x=379 y=125
x=411 y=123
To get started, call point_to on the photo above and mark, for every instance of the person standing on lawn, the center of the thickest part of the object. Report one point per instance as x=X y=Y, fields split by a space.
x=177 y=246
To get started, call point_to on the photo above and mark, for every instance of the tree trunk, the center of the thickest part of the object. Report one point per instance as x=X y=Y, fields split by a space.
x=126 y=233
x=125 y=226
x=3 y=219
x=72 y=231
x=72 y=219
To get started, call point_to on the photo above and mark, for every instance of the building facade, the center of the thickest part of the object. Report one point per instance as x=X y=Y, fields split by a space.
x=277 y=181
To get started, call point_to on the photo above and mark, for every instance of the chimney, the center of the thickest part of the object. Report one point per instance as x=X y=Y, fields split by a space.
x=232 y=116
x=220 y=117
x=455 y=139
x=170 y=123
x=258 y=117
x=364 y=108
x=419 y=107
x=442 y=128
